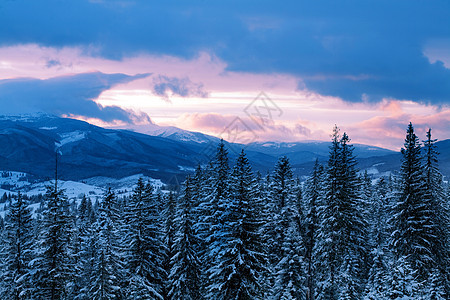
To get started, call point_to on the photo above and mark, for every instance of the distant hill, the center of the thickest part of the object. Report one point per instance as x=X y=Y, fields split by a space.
x=28 y=144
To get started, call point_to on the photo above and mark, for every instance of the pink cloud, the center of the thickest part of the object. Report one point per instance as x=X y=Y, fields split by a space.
x=219 y=125
x=389 y=131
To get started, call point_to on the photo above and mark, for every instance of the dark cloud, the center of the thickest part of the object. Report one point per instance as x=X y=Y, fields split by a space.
x=65 y=95
x=183 y=87
x=327 y=43
x=302 y=130
x=430 y=84
x=53 y=63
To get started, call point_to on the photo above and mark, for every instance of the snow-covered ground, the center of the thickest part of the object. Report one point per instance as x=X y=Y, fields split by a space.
x=92 y=188
x=70 y=137
x=72 y=189
x=17 y=179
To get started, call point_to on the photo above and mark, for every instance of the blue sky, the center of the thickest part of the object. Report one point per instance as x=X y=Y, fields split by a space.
x=359 y=52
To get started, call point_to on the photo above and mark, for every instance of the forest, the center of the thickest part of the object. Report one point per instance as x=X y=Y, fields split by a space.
x=231 y=233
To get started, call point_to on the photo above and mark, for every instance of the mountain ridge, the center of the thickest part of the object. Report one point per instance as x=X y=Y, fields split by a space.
x=87 y=151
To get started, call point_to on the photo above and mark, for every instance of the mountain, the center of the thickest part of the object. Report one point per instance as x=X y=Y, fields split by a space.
x=174 y=133
x=28 y=144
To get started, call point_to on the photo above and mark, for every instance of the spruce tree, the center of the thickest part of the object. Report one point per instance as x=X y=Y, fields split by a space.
x=403 y=282
x=105 y=281
x=216 y=192
x=281 y=195
x=313 y=194
x=412 y=239
x=185 y=277
x=87 y=246
x=75 y=252
x=17 y=252
x=53 y=264
x=290 y=270
x=240 y=265
x=169 y=232
x=144 y=256
x=341 y=249
x=435 y=196
x=376 y=287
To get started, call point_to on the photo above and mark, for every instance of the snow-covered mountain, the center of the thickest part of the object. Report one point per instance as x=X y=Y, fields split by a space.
x=88 y=151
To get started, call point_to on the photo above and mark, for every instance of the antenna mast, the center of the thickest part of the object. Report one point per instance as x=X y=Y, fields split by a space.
x=56 y=170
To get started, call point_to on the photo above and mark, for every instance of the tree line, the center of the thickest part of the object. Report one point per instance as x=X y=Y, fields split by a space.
x=231 y=233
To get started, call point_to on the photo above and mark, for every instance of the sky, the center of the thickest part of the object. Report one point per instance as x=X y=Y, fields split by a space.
x=242 y=70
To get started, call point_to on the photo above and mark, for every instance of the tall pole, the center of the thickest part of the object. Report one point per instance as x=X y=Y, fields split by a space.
x=56 y=170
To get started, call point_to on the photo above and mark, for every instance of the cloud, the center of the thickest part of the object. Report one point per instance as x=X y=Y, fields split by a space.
x=347 y=50
x=184 y=87
x=66 y=95
x=389 y=131
x=243 y=129
x=427 y=83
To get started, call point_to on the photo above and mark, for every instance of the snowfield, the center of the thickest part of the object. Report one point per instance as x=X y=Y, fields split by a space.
x=71 y=137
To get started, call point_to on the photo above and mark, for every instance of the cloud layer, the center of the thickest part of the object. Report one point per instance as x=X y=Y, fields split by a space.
x=66 y=95
x=164 y=86
x=354 y=50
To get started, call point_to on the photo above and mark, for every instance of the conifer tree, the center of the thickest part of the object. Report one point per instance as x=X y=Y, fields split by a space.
x=17 y=252
x=169 y=214
x=184 y=278
x=281 y=195
x=240 y=265
x=376 y=287
x=216 y=195
x=403 y=282
x=145 y=251
x=290 y=270
x=75 y=252
x=87 y=246
x=313 y=193
x=53 y=264
x=435 y=196
x=107 y=276
x=412 y=238
x=341 y=246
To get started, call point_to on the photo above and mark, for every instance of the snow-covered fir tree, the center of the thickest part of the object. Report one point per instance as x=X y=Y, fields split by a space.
x=185 y=277
x=435 y=196
x=313 y=193
x=169 y=232
x=281 y=198
x=377 y=287
x=403 y=281
x=75 y=252
x=17 y=251
x=341 y=242
x=53 y=264
x=216 y=193
x=240 y=265
x=290 y=271
x=105 y=280
x=144 y=255
x=412 y=218
x=86 y=235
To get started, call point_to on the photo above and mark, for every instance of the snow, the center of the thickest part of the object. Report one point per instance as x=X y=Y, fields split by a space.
x=189 y=169
x=378 y=164
x=15 y=179
x=72 y=189
x=71 y=137
x=25 y=117
x=2 y=192
x=48 y=128
x=92 y=188
x=373 y=171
